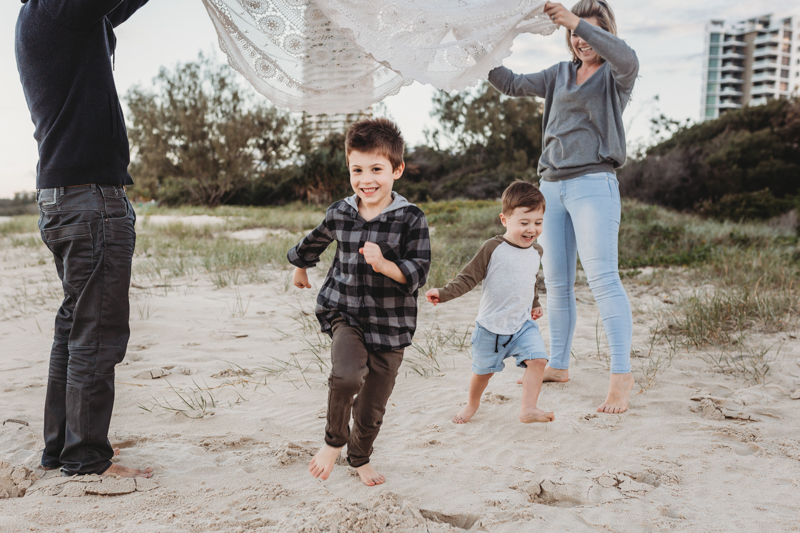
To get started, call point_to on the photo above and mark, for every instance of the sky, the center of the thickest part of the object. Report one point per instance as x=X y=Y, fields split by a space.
x=666 y=35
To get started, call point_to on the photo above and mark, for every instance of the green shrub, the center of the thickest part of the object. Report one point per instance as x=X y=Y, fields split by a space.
x=759 y=205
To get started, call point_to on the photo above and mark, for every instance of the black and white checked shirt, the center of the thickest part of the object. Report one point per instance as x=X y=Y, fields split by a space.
x=384 y=309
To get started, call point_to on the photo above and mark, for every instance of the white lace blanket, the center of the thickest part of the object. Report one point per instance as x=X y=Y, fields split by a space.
x=339 y=56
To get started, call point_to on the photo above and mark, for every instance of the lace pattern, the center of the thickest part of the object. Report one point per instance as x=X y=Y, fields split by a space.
x=340 y=56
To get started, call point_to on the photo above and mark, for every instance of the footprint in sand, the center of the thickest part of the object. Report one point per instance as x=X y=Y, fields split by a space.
x=736 y=444
x=491 y=397
x=296 y=452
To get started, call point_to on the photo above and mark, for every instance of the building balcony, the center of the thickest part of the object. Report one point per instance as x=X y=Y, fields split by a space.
x=767 y=38
x=729 y=104
x=731 y=80
x=764 y=76
x=764 y=63
x=758 y=101
x=732 y=55
x=731 y=68
x=764 y=90
x=730 y=91
x=766 y=51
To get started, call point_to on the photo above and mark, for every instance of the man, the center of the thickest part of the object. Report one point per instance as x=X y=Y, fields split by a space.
x=64 y=54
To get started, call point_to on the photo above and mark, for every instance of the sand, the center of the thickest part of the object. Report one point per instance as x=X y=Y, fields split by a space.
x=697 y=451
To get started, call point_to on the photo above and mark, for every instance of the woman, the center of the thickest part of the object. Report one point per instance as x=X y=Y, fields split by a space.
x=583 y=142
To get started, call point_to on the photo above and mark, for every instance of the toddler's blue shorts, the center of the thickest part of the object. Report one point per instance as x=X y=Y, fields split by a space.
x=489 y=350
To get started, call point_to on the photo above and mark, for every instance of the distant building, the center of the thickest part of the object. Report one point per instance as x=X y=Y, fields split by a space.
x=750 y=62
x=322 y=126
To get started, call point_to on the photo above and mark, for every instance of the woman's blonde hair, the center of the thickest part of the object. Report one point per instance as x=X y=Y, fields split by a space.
x=593 y=8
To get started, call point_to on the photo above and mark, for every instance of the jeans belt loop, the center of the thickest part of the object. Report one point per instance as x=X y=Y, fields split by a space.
x=61 y=191
x=93 y=187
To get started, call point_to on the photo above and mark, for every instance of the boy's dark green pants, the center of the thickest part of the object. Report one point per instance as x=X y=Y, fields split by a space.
x=369 y=375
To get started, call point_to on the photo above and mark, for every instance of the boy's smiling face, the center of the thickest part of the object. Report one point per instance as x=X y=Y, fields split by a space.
x=523 y=226
x=372 y=178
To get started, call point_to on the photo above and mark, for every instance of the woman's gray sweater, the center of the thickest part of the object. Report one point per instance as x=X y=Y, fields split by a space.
x=582 y=129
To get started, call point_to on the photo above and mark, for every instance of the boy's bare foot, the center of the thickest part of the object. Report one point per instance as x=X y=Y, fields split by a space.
x=619 y=390
x=556 y=375
x=535 y=415
x=370 y=476
x=465 y=414
x=124 y=471
x=322 y=463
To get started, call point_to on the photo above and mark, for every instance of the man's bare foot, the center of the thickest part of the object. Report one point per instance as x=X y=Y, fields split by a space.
x=370 y=476
x=124 y=471
x=619 y=390
x=465 y=414
x=322 y=463
x=535 y=415
x=555 y=375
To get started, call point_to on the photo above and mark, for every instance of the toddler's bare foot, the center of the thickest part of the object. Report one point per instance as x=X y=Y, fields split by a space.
x=556 y=375
x=465 y=414
x=535 y=415
x=124 y=471
x=370 y=476
x=322 y=463
x=619 y=390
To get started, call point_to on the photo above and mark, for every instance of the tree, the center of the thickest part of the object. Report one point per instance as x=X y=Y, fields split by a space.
x=199 y=138
x=485 y=140
x=745 y=151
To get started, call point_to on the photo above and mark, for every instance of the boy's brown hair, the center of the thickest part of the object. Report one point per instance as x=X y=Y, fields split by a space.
x=376 y=136
x=522 y=194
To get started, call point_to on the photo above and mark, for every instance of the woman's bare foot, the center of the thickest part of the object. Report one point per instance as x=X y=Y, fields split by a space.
x=322 y=463
x=124 y=471
x=535 y=415
x=370 y=476
x=558 y=375
x=619 y=390
x=465 y=414
x=555 y=375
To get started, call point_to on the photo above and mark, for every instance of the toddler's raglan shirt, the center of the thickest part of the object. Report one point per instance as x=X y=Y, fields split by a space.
x=509 y=292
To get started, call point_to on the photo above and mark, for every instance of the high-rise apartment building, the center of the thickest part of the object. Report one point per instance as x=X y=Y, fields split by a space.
x=750 y=62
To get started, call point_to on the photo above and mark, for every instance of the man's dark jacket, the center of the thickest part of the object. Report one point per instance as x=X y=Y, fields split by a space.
x=64 y=56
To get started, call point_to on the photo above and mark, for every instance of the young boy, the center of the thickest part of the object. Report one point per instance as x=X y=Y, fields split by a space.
x=508 y=265
x=368 y=301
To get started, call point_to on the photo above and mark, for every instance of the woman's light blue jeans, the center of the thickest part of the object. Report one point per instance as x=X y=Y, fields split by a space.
x=582 y=218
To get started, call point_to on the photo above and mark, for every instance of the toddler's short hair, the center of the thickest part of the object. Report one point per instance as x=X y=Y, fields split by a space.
x=522 y=194
x=376 y=135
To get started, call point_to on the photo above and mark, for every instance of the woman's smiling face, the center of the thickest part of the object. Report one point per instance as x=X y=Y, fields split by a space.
x=585 y=53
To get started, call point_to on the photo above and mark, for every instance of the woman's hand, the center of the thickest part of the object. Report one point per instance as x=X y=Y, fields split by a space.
x=561 y=15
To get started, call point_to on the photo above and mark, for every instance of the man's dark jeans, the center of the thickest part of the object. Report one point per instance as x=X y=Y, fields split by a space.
x=90 y=230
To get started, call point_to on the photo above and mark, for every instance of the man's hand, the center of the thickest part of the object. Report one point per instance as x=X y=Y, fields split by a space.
x=373 y=256
x=537 y=313
x=300 y=279
x=433 y=296
x=561 y=15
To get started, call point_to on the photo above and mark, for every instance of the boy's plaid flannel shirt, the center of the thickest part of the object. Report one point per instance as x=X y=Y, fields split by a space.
x=384 y=309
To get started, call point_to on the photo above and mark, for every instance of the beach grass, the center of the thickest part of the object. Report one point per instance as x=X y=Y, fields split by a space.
x=737 y=277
